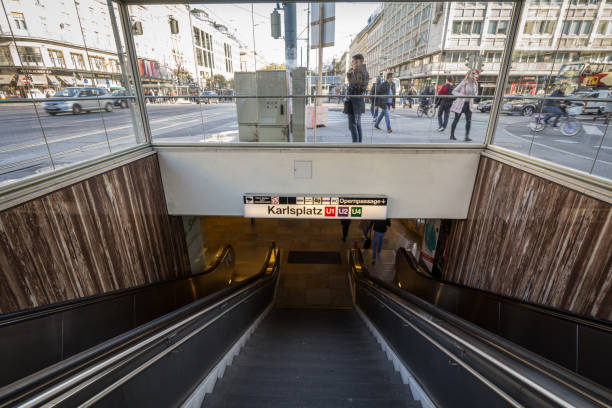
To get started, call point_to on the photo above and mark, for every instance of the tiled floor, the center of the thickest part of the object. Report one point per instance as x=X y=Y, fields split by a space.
x=302 y=285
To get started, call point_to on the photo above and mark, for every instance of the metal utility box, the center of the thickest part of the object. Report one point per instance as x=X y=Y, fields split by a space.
x=263 y=119
x=298 y=112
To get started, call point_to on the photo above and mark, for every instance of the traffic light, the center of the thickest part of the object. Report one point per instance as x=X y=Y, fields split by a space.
x=137 y=28
x=174 y=28
x=275 y=22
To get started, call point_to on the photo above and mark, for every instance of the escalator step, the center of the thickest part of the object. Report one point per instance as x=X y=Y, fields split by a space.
x=331 y=373
x=240 y=401
x=319 y=387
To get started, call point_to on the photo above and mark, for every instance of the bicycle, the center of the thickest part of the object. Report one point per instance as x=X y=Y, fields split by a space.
x=427 y=109
x=567 y=124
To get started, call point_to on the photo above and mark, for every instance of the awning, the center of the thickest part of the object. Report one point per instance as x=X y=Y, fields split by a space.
x=68 y=80
x=53 y=80
x=38 y=79
x=6 y=79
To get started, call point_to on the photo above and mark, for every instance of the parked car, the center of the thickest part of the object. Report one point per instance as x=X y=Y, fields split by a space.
x=121 y=102
x=596 y=107
x=209 y=97
x=76 y=102
x=35 y=94
x=485 y=106
x=525 y=107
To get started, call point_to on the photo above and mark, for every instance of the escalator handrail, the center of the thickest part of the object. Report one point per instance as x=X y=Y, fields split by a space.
x=33 y=313
x=95 y=356
x=564 y=315
x=525 y=359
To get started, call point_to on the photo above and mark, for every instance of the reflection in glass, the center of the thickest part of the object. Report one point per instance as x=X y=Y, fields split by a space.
x=67 y=55
x=562 y=50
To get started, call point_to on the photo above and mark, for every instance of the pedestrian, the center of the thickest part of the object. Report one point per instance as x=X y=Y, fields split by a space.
x=373 y=88
x=358 y=79
x=364 y=226
x=444 y=105
x=411 y=92
x=467 y=87
x=380 y=228
x=387 y=102
x=403 y=97
x=346 y=223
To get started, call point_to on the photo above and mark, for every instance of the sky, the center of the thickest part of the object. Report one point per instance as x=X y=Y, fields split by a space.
x=350 y=19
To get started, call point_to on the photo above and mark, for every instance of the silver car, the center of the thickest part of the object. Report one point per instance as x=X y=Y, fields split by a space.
x=76 y=103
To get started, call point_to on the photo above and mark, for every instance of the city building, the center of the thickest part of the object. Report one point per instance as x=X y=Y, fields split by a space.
x=427 y=42
x=45 y=46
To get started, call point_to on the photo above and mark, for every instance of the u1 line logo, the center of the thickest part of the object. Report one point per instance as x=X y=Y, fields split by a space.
x=330 y=211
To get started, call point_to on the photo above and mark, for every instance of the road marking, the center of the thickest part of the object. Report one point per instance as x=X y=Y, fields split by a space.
x=558 y=150
x=565 y=141
x=592 y=130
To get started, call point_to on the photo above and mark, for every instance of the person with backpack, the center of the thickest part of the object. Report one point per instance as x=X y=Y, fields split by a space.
x=444 y=104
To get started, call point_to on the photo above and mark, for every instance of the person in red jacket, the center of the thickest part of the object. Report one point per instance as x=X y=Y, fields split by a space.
x=444 y=104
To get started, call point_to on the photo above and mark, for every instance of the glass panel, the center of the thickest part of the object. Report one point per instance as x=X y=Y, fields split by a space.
x=551 y=76
x=66 y=70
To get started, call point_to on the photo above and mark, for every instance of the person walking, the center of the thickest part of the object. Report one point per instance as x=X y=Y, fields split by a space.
x=375 y=86
x=346 y=223
x=358 y=79
x=444 y=105
x=385 y=103
x=380 y=228
x=467 y=87
x=412 y=91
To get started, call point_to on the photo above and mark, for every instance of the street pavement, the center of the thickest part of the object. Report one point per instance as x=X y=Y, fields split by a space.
x=25 y=149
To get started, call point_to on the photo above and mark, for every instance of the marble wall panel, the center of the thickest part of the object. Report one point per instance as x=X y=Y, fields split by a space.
x=535 y=240
x=109 y=232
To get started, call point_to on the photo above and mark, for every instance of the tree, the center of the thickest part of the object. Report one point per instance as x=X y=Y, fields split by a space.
x=220 y=81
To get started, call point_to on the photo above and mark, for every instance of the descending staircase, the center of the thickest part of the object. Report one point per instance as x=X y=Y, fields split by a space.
x=311 y=358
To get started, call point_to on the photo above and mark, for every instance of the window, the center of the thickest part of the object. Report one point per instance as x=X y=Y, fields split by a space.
x=19 y=21
x=30 y=56
x=602 y=28
x=544 y=27
x=498 y=27
x=5 y=56
x=197 y=38
x=97 y=63
x=228 y=58
x=57 y=58
x=587 y=26
x=114 y=65
x=78 y=62
x=467 y=27
x=493 y=27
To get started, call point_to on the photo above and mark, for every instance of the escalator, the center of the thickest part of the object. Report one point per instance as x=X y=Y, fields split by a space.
x=236 y=347
x=311 y=358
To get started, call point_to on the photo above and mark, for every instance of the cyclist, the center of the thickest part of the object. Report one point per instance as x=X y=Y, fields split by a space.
x=553 y=107
x=429 y=90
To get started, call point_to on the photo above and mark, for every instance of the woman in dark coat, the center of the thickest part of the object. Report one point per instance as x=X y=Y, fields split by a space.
x=358 y=79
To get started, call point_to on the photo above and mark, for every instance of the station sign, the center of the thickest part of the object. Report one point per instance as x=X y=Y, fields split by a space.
x=315 y=206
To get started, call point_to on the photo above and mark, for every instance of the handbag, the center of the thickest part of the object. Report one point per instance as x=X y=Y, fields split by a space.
x=348 y=106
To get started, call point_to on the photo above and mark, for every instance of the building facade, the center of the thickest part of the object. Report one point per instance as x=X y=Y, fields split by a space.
x=46 y=45
x=429 y=42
